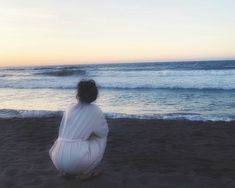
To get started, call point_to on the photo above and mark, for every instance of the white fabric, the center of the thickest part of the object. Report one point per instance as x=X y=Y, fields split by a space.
x=82 y=139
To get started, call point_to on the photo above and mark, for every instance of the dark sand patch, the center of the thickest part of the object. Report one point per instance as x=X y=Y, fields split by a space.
x=140 y=153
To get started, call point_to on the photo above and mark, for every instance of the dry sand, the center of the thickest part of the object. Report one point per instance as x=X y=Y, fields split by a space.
x=140 y=153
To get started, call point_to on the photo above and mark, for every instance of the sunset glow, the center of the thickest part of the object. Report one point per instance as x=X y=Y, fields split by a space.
x=72 y=32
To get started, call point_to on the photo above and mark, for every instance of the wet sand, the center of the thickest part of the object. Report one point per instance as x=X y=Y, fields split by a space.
x=140 y=153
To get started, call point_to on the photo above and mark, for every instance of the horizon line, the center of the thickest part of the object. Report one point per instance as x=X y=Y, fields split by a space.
x=123 y=62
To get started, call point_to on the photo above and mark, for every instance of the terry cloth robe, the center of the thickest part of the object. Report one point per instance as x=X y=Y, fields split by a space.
x=82 y=139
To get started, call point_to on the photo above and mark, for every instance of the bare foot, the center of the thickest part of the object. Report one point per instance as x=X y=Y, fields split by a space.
x=90 y=175
x=68 y=176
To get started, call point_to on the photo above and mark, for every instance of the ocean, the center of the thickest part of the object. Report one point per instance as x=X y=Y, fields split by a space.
x=202 y=90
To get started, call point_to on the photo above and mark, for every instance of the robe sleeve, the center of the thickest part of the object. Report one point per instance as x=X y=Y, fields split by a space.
x=61 y=127
x=64 y=119
x=101 y=129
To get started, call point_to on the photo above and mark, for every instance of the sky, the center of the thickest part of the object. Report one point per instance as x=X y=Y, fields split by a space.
x=34 y=32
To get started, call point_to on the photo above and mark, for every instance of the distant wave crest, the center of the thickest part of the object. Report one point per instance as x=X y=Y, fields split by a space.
x=123 y=87
x=61 y=72
x=169 y=88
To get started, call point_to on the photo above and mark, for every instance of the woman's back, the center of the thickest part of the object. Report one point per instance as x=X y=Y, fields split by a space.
x=80 y=120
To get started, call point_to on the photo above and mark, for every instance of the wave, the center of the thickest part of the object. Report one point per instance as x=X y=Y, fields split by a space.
x=174 y=88
x=9 y=113
x=141 y=66
x=61 y=72
x=5 y=75
x=171 y=88
x=113 y=78
x=174 y=116
x=186 y=65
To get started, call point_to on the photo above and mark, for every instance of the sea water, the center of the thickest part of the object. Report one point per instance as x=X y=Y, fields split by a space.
x=202 y=90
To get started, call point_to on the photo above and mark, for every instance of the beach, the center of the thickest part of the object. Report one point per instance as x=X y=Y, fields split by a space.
x=140 y=153
x=162 y=73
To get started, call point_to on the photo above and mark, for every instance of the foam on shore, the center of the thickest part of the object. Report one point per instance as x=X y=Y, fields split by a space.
x=9 y=113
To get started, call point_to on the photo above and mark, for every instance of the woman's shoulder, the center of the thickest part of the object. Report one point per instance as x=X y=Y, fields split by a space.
x=70 y=107
x=95 y=108
x=92 y=108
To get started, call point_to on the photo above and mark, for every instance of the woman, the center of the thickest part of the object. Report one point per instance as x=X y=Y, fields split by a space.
x=83 y=132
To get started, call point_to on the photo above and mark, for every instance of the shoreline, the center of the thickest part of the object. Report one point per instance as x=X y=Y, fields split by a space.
x=129 y=119
x=140 y=153
x=28 y=114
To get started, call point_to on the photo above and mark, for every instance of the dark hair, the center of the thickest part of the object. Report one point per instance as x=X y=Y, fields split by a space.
x=87 y=91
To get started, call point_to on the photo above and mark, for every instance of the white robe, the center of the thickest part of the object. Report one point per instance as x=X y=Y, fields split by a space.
x=82 y=139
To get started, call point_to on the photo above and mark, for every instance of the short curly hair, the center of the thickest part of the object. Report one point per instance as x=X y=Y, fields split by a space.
x=87 y=91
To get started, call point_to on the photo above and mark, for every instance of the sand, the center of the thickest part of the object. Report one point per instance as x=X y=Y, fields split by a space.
x=140 y=153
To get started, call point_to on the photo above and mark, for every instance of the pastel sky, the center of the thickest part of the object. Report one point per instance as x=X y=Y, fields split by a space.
x=38 y=32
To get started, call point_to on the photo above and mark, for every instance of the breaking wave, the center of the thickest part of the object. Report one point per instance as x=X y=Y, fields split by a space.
x=61 y=72
x=8 y=114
